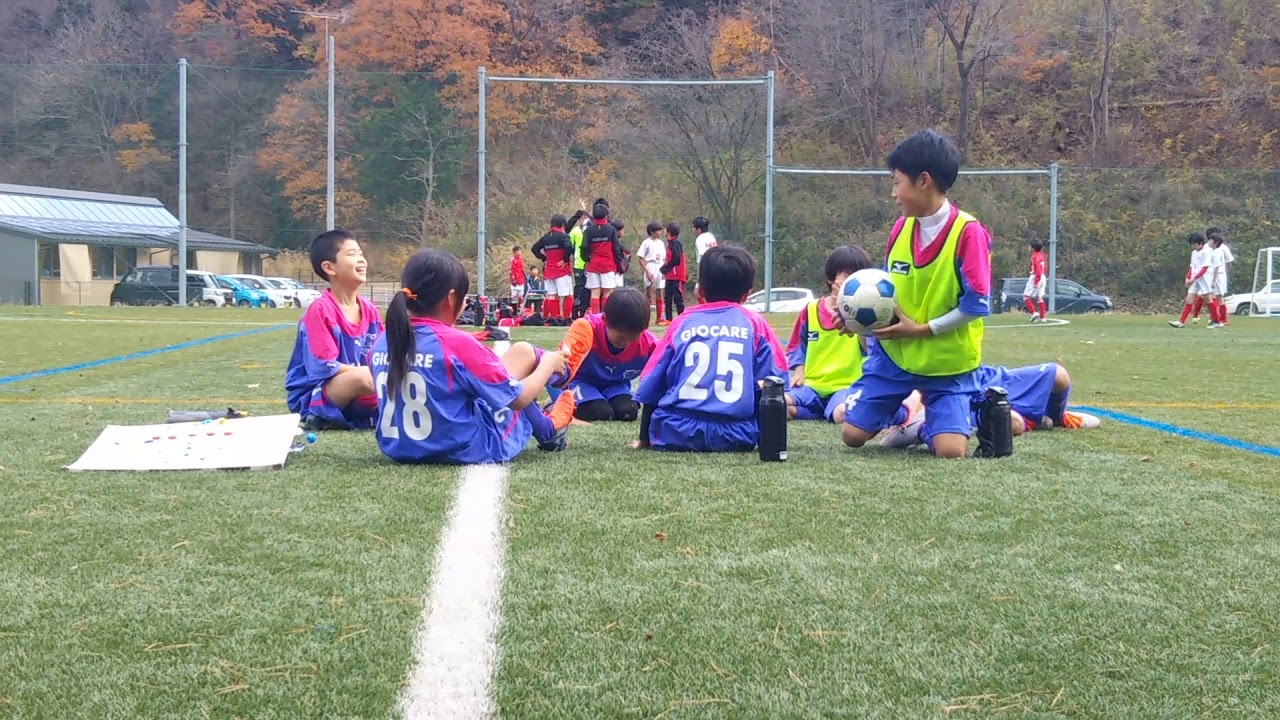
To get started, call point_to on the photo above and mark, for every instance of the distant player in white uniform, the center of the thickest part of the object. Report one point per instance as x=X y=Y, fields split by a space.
x=1228 y=257
x=1217 y=284
x=702 y=243
x=653 y=253
x=1197 y=279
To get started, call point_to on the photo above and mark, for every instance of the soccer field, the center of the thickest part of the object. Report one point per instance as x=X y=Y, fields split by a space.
x=1126 y=572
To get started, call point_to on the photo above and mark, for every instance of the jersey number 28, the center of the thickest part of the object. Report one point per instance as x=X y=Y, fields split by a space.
x=728 y=373
x=415 y=418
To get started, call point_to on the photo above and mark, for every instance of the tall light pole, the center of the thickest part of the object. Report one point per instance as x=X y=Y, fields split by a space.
x=329 y=191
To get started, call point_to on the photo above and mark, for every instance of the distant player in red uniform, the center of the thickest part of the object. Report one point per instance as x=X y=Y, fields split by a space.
x=675 y=272
x=518 y=277
x=1037 y=283
x=555 y=250
x=602 y=252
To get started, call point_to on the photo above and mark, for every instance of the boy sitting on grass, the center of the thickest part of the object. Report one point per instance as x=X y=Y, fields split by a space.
x=328 y=381
x=701 y=387
x=617 y=346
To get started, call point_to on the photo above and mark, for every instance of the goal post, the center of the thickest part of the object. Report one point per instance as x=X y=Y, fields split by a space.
x=766 y=81
x=1051 y=172
x=1265 y=293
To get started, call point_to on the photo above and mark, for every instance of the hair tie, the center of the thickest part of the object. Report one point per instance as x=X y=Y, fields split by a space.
x=409 y=293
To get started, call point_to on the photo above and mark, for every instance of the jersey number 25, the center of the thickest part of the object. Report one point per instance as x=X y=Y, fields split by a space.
x=415 y=418
x=728 y=373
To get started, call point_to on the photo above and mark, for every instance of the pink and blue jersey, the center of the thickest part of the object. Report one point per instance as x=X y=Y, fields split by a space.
x=608 y=372
x=453 y=405
x=703 y=379
x=326 y=341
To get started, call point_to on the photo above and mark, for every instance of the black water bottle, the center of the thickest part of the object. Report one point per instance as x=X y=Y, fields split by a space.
x=771 y=419
x=995 y=424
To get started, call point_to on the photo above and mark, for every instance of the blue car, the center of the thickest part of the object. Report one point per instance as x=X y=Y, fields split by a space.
x=243 y=295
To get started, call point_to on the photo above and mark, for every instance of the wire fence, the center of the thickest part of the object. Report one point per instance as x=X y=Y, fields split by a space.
x=406 y=169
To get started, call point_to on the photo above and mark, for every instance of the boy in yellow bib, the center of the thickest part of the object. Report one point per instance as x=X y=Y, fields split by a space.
x=825 y=362
x=940 y=261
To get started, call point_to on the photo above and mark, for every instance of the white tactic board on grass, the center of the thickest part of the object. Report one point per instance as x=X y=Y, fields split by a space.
x=251 y=442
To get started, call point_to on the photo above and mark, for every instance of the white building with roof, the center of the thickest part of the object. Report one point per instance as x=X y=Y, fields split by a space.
x=66 y=247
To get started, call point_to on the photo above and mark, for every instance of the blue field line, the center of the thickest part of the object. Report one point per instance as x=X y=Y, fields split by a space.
x=137 y=355
x=1181 y=431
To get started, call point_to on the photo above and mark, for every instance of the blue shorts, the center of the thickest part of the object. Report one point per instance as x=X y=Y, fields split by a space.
x=1029 y=387
x=679 y=433
x=361 y=414
x=875 y=398
x=585 y=393
x=810 y=405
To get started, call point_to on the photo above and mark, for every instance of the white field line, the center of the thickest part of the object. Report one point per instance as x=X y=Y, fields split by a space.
x=1029 y=324
x=456 y=649
x=128 y=321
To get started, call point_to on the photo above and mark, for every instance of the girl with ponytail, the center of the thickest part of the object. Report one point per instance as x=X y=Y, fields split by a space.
x=445 y=398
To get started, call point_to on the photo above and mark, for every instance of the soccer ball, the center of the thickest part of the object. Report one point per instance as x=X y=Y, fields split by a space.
x=867 y=301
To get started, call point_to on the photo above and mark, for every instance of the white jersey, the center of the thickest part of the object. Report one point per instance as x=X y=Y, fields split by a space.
x=1227 y=255
x=653 y=251
x=1199 y=261
x=703 y=243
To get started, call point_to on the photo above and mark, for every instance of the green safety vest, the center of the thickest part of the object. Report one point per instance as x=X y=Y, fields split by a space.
x=832 y=361
x=576 y=236
x=929 y=292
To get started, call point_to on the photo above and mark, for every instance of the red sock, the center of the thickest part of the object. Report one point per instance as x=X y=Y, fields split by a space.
x=553 y=307
x=1186 y=312
x=1199 y=305
x=657 y=307
x=1222 y=311
x=595 y=305
x=1044 y=309
x=1031 y=306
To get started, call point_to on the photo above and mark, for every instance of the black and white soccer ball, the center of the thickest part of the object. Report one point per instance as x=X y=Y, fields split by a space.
x=867 y=301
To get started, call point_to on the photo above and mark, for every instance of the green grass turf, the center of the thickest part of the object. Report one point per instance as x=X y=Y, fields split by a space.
x=1115 y=573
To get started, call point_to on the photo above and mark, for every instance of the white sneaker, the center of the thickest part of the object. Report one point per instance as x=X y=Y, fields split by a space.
x=1073 y=420
x=1195 y=320
x=1212 y=326
x=1176 y=323
x=907 y=434
x=1035 y=318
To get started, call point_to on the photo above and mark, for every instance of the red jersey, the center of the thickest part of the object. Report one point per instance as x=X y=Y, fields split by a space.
x=555 y=250
x=601 y=248
x=677 y=264
x=517 y=270
x=1039 y=266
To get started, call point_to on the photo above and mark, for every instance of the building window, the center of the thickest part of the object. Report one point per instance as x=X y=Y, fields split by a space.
x=50 y=261
x=111 y=263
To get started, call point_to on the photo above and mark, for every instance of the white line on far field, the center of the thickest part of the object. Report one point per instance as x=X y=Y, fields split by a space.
x=131 y=321
x=1043 y=323
x=456 y=649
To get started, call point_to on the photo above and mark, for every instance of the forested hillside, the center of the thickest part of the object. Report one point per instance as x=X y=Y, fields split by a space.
x=1181 y=98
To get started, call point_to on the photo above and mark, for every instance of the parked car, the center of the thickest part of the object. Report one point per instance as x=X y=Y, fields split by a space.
x=158 y=285
x=303 y=295
x=278 y=297
x=1263 y=302
x=1073 y=298
x=785 y=300
x=244 y=295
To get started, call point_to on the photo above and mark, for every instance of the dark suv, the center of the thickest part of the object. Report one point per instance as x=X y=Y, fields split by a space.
x=158 y=285
x=1073 y=298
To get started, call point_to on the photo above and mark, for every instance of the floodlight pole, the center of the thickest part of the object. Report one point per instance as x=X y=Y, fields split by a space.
x=182 y=182
x=331 y=175
x=768 y=197
x=1053 y=237
x=481 y=241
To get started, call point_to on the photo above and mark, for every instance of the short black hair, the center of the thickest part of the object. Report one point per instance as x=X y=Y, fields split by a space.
x=324 y=248
x=558 y=220
x=845 y=259
x=1196 y=239
x=726 y=273
x=673 y=229
x=600 y=212
x=1036 y=245
x=627 y=310
x=618 y=225
x=928 y=151
x=1216 y=233
x=701 y=223
x=652 y=227
x=601 y=201
x=515 y=249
